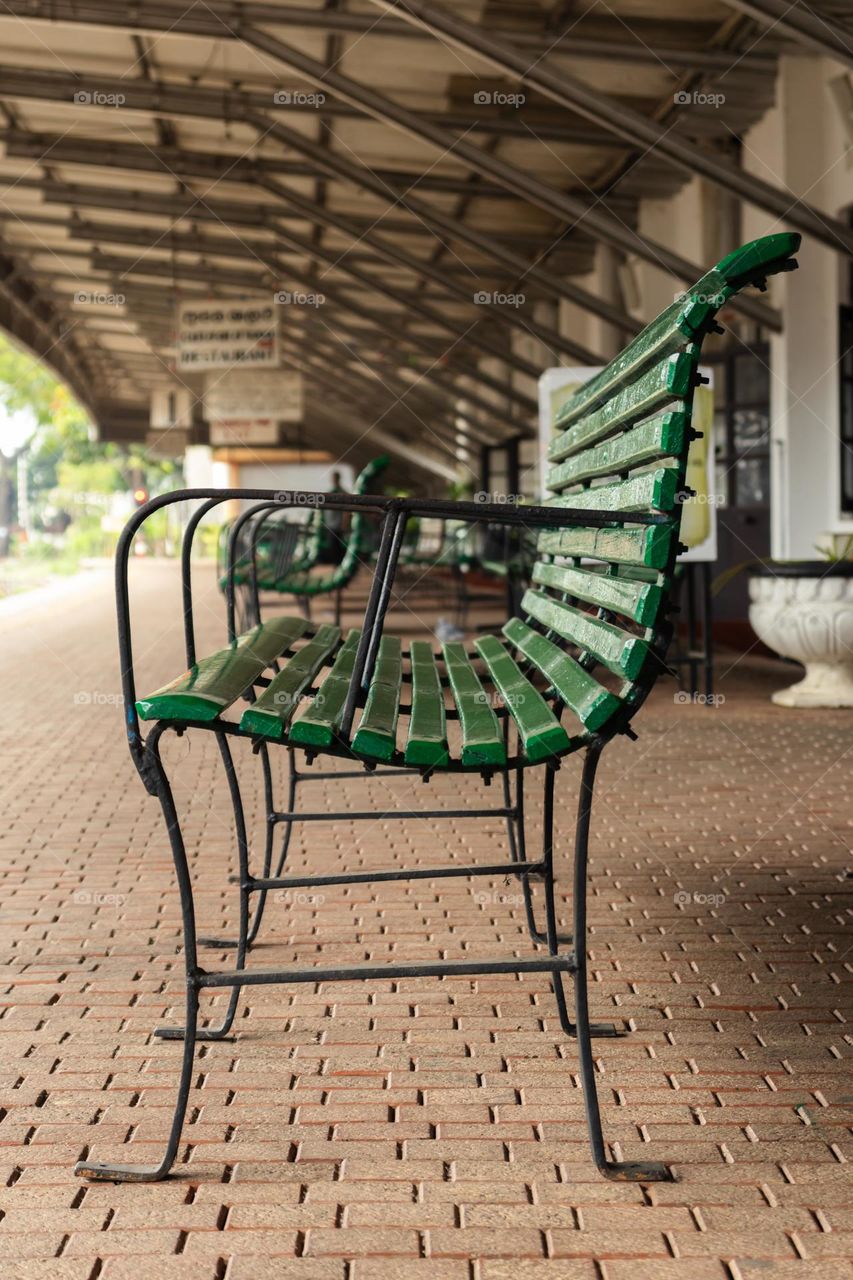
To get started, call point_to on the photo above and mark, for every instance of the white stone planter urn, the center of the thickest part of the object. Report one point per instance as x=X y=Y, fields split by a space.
x=804 y=610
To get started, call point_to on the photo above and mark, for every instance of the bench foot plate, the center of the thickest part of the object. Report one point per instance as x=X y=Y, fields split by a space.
x=177 y=1033
x=95 y=1171
x=638 y=1171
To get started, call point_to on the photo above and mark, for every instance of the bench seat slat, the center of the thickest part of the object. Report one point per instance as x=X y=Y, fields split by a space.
x=662 y=437
x=482 y=740
x=648 y=547
x=377 y=733
x=622 y=653
x=672 y=380
x=210 y=687
x=639 y=601
x=426 y=743
x=276 y=705
x=540 y=731
x=581 y=692
x=653 y=490
x=318 y=726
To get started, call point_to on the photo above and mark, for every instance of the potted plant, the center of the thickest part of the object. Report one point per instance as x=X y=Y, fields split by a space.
x=803 y=609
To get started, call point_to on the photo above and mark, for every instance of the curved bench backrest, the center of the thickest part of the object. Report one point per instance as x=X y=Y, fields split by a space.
x=355 y=541
x=599 y=599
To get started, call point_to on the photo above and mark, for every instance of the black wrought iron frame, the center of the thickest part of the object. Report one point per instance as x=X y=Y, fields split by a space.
x=146 y=755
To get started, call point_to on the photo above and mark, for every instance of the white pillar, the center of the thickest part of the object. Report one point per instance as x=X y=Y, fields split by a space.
x=800 y=145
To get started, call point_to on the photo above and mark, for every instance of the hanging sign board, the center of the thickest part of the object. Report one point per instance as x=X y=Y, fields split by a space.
x=170 y=443
x=225 y=332
x=254 y=393
x=244 y=431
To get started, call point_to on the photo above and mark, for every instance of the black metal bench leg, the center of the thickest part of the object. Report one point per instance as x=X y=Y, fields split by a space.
x=227 y=944
x=599 y=1029
x=518 y=852
x=628 y=1171
x=99 y=1171
x=271 y=830
x=222 y=1032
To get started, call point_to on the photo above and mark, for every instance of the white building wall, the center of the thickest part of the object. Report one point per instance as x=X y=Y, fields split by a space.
x=800 y=144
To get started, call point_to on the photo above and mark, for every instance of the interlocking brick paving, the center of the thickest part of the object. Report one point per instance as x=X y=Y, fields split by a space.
x=434 y=1129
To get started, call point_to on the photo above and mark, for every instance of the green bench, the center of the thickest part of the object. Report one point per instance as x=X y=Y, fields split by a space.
x=566 y=675
x=263 y=552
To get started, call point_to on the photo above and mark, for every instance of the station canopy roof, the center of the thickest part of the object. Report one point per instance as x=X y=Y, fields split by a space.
x=399 y=160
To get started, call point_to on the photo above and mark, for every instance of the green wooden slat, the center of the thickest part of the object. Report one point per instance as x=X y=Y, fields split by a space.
x=683 y=319
x=317 y=727
x=668 y=333
x=638 y=600
x=647 y=491
x=672 y=380
x=649 y=546
x=271 y=712
x=590 y=701
x=625 y=654
x=540 y=731
x=377 y=732
x=208 y=688
x=482 y=739
x=663 y=437
x=426 y=743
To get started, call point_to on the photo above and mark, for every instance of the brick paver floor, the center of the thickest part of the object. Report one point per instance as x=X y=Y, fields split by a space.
x=423 y=1128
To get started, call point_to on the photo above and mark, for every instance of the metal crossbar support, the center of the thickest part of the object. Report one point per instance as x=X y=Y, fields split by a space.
x=419 y=873
x=362 y=972
x=397 y=813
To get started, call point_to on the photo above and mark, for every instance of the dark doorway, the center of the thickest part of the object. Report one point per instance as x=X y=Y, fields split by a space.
x=742 y=462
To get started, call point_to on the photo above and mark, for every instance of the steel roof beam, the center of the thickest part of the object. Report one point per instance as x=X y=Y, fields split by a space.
x=226 y=19
x=393 y=254
x=236 y=247
x=320 y=286
x=371 y=396
x=802 y=24
x=637 y=130
x=121 y=267
x=447 y=396
x=214 y=166
x=404 y=449
x=425 y=219
x=228 y=104
x=443 y=225
x=561 y=205
x=41 y=326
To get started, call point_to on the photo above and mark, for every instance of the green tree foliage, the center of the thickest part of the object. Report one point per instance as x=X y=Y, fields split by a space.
x=68 y=467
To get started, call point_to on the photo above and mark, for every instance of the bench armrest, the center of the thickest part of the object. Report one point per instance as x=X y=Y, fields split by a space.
x=207 y=500
x=533 y=516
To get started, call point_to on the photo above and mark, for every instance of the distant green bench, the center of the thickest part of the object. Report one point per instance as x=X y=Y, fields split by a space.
x=282 y=557
x=567 y=675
